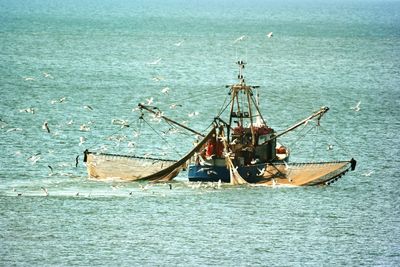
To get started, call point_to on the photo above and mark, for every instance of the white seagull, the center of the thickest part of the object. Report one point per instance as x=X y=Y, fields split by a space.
x=47 y=75
x=270 y=34
x=241 y=38
x=173 y=106
x=356 y=107
x=46 y=193
x=34 y=158
x=165 y=90
x=28 y=110
x=150 y=101
x=84 y=128
x=368 y=173
x=82 y=140
x=155 y=62
x=179 y=43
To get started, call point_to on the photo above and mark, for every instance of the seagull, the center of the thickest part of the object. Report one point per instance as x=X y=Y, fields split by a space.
x=179 y=43
x=84 y=128
x=241 y=38
x=368 y=173
x=222 y=138
x=261 y=171
x=173 y=106
x=58 y=101
x=330 y=147
x=193 y=114
x=165 y=90
x=28 y=110
x=82 y=140
x=155 y=62
x=47 y=75
x=46 y=193
x=158 y=78
x=147 y=186
x=149 y=101
x=255 y=161
x=202 y=161
x=88 y=107
x=70 y=122
x=235 y=141
x=211 y=172
x=135 y=134
x=270 y=34
x=356 y=107
x=45 y=126
x=51 y=168
x=122 y=123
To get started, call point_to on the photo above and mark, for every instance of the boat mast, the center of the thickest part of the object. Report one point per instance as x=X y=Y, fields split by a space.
x=240 y=114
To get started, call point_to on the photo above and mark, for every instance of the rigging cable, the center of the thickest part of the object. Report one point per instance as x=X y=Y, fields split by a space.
x=334 y=138
x=292 y=145
x=162 y=137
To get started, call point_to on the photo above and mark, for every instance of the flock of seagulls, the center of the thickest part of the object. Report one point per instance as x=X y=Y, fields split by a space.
x=33 y=159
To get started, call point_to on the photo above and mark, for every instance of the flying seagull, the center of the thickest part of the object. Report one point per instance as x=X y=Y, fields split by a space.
x=241 y=38
x=356 y=107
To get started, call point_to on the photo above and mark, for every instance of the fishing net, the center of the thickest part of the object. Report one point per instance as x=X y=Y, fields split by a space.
x=132 y=168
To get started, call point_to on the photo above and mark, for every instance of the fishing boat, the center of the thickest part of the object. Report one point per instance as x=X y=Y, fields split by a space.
x=240 y=149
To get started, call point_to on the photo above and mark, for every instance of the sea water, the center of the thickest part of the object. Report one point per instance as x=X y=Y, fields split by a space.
x=77 y=65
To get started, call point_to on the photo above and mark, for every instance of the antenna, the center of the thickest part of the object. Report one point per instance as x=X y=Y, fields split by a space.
x=241 y=64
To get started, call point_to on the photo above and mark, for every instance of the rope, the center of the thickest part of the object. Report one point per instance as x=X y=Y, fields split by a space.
x=301 y=136
x=222 y=110
x=222 y=107
x=334 y=138
x=165 y=140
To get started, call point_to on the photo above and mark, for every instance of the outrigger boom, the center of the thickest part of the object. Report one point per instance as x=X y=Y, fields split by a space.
x=141 y=106
x=318 y=114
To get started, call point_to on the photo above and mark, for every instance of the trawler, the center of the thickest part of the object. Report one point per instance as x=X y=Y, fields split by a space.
x=240 y=149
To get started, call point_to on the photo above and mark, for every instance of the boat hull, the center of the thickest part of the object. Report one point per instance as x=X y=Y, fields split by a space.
x=295 y=174
x=198 y=173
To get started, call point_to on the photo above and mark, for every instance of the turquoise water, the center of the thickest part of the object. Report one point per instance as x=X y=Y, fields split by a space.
x=59 y=56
